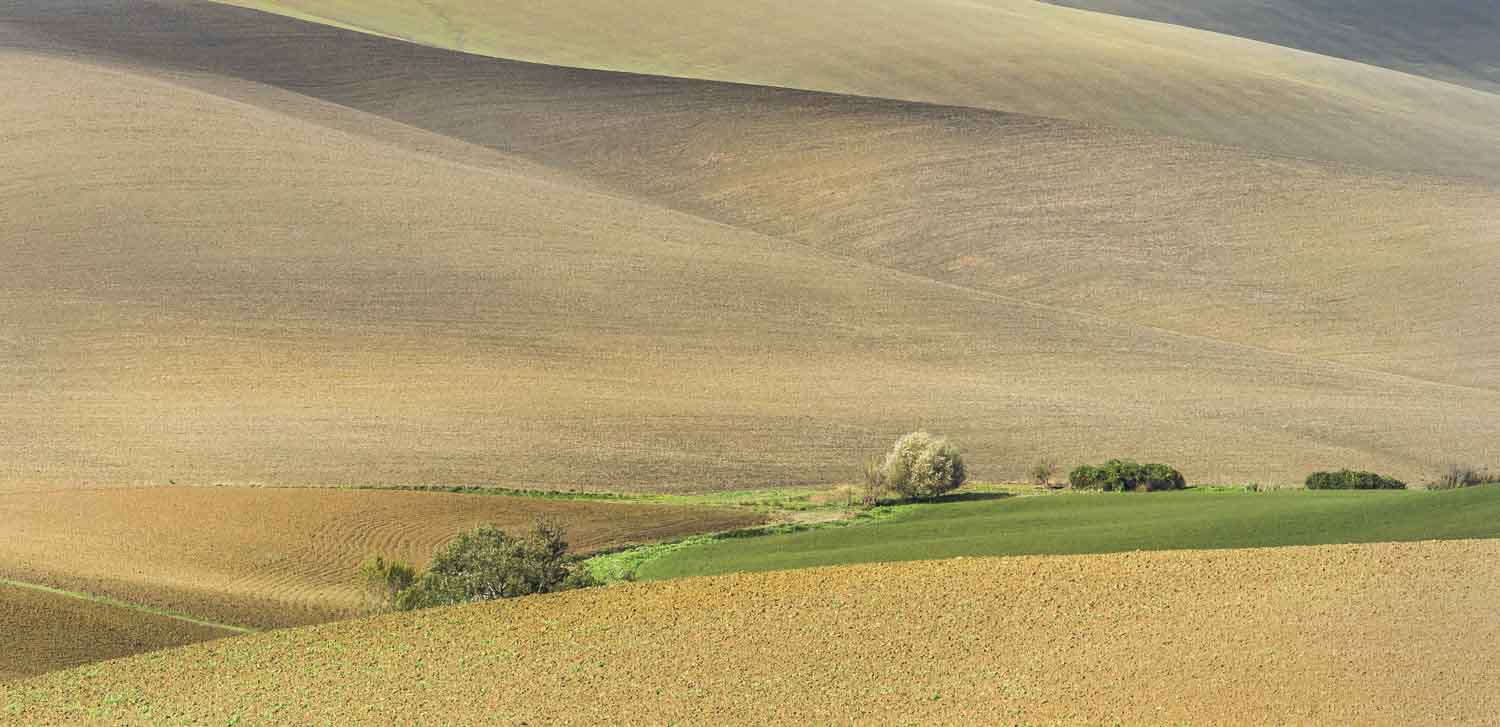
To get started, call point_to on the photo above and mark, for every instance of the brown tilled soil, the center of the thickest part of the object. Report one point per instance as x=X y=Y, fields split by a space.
x=1394 y=634
x=279 y=557
x=242 y=248
x=45 y=632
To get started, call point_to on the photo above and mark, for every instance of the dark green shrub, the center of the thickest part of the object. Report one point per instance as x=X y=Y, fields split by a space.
x=1352 y=480
x=487 y=563
x=1087 y=477
x=1126 y=476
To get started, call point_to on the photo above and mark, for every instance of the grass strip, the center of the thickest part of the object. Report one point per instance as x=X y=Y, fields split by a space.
x=624 y=564
x=1078 y=523
x=106 y=600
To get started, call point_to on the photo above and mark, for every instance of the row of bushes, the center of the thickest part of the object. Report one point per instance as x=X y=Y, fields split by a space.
x=1352 y=480
x=921 y=466
x=1118 y=475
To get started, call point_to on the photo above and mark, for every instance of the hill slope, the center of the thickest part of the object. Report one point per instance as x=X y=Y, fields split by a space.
x=1248 y=636
x=47 y=632
x=1450 y=40
x=266 y=250
x=274 y=557
x=1013 y=55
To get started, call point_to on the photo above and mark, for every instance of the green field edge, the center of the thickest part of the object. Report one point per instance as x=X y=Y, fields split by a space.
x=620 y=565
x=892 y=516
x=117 y=603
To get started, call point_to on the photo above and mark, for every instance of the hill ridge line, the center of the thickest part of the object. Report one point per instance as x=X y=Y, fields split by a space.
x=1090 y=124
x=594 y=185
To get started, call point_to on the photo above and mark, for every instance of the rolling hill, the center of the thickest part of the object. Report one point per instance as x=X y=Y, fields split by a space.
x=48 y=632
x=1450 y=40
x=1207 y=637
x=264 y=250
x=1012 y=55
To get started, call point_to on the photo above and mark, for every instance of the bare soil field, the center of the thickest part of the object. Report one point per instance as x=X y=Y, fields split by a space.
x=45 y=632
x=1356 y=634
x=279 y=557
x=1450 y=40
x=1010 y=55
x=266 y=251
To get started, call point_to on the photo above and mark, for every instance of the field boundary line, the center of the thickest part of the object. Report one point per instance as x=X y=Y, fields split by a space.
x=117 y=603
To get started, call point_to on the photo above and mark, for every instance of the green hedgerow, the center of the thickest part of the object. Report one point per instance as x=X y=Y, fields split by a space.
x=1125 y=476
x=1352 y=480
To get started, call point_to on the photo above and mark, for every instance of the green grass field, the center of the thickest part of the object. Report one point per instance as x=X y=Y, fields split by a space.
x=1103 y=523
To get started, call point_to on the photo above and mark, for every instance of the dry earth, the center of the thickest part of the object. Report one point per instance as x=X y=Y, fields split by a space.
x=279 y=557
x=1362 y=634
x=1450 y=40
x=1011 y=55
x=45 y=632
x=251 y=249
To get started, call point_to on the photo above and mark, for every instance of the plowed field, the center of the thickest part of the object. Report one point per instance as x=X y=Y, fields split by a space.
x=1352 y=634
x=44 y=632
x=279 y=557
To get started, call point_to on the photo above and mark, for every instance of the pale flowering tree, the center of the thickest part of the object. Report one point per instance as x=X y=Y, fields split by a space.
x=922 y=466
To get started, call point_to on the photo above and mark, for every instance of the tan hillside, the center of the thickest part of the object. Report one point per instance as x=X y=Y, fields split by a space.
x=1013 y=55
x=1361 y=634
x=47 y=632
x=273 y=557
x=1450 y=40
x=263 y=250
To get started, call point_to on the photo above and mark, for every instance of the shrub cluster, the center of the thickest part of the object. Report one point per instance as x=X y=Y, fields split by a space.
x=482 y=565
x=922 y=466
x=1352 y=480
x=1126 y=476
x=1457 y=476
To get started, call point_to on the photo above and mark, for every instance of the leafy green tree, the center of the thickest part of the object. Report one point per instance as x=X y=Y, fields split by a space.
x=487 y=563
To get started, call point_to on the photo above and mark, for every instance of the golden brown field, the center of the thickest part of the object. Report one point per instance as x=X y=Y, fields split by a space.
x=249 y=257
x=298 y=255
x=278 y=557
x=46 y=632
x=1363 y=634
x=1450 y=40
x=1010 y=55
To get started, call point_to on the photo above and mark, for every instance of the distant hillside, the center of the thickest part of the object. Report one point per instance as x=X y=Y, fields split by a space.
x=1450 y=40
x=265 y=250
x=1013 y=55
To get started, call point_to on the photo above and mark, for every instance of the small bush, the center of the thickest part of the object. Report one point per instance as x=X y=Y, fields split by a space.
x=1456 y=476
x=874 y=482
x=1042 y=473
x=482 y=565
x=1352 y=480
x=385 y=580
x=923 y=466
x=1125 y=476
